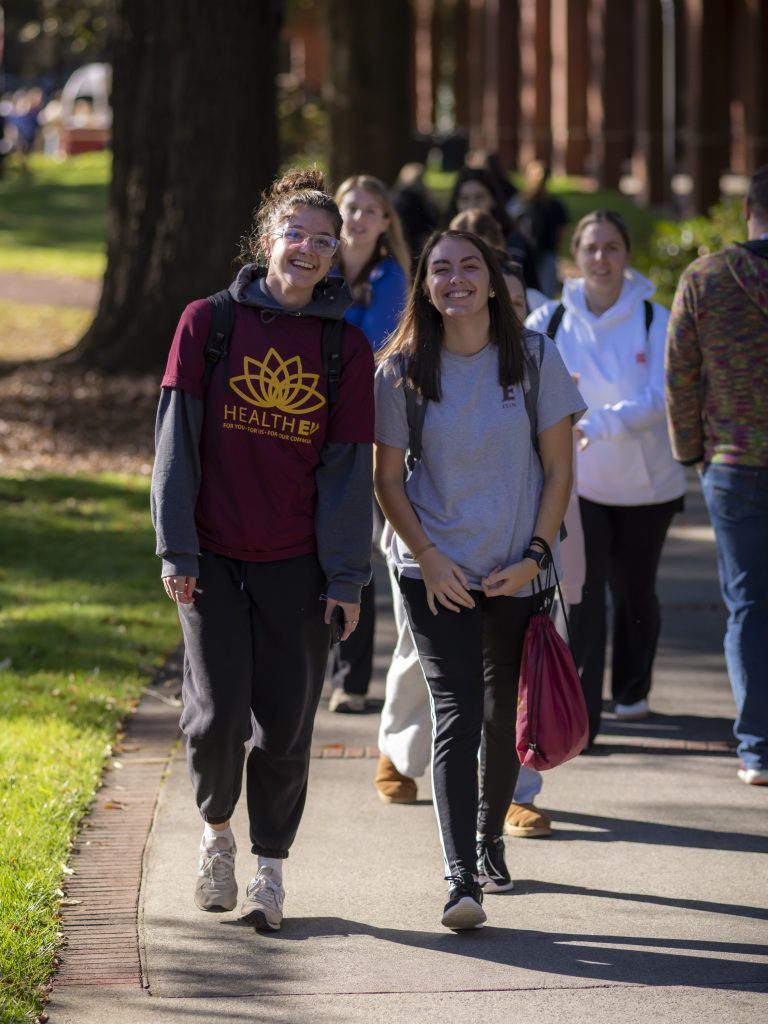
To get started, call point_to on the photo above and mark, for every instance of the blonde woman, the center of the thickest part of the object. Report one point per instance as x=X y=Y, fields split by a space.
x=374 y=261
x=374 y=258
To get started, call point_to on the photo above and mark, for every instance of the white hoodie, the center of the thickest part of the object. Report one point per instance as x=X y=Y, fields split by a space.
x=628 y=460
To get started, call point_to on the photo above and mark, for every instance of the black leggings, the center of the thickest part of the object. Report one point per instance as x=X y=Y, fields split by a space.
x=623 y=546
x=471 y=661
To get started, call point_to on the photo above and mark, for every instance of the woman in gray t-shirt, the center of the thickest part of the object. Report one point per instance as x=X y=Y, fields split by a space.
x=465 y=525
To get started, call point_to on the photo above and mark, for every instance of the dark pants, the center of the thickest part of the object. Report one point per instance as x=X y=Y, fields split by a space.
x=471 y=660
x=352 y=660
x=256 y=648
x=623 y=546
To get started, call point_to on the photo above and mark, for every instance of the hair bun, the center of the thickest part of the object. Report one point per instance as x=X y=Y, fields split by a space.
x=298 y=180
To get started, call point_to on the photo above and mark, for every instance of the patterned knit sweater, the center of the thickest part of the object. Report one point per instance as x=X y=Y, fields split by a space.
x=717 y=359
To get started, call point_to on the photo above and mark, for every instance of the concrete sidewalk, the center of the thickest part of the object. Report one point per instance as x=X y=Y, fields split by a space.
x=649 y=901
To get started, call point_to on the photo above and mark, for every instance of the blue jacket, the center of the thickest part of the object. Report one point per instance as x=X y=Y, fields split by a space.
x=380 y=316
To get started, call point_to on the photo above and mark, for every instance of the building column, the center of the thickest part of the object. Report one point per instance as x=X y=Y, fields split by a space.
x=423 y=76
x=609 y=92
x=570 y=68
x=749 y=109
x=460 y=24
x=508 y=82
x=648 y=150
x=707 y=114
x=535 y=132
x=475 y=41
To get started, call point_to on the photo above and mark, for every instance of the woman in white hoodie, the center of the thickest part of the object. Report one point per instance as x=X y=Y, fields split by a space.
x=612 y=336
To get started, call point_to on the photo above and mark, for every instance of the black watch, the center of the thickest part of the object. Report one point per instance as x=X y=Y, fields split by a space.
x=541 y=558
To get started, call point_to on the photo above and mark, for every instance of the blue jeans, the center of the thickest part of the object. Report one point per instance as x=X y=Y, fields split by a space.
x=737 y=500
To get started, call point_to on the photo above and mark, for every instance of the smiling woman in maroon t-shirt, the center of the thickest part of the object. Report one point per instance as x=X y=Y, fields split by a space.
x=261 y=499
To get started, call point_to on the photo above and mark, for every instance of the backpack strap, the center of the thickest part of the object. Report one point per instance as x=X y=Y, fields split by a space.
x=557 y=316
x=554 y=323
x=330 y=350
x=220 y=333
x=531 y=396
x=415 y=411
x=648 y=316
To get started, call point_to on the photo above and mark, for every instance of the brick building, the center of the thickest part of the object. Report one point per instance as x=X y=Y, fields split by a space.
x=653 y=92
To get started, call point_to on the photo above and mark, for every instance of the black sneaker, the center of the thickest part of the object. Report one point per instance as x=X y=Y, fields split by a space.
x=491 y=866
x=464 y=907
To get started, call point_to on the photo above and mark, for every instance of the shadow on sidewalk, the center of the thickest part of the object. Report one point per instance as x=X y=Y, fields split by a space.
x=529 y=886
x=675 y=728
x=259 y=963
x=633 y=830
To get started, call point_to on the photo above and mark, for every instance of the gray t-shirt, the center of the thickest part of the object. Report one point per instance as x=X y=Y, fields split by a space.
x=477 y=487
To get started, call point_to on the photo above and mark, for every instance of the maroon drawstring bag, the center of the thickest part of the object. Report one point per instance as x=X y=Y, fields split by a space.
x=552 y=722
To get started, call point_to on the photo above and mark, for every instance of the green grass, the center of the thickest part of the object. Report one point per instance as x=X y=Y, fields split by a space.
x=54 y=222
x=39 y=332
x=83 y=625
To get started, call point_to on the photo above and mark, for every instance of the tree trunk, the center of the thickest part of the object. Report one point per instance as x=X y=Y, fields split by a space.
x=369 y=93
x=194 y=143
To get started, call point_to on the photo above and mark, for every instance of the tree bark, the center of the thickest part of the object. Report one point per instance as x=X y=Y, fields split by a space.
x=194 y=144
x=369 y=93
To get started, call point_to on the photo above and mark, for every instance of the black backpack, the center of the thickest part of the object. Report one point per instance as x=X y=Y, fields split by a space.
x=559 y=312
x=416 y=408
x=220 y=335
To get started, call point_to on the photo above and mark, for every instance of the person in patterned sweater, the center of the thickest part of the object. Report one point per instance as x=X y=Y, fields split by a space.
x=717 y=402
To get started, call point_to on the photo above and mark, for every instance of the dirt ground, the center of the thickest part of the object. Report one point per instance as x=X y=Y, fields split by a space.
x=58 y=420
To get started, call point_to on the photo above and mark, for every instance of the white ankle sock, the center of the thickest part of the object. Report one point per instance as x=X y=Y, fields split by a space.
x=276 y=863
x=210 y=834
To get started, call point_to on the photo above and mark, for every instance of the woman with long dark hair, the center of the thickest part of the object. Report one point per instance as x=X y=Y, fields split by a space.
x=475 y=189
x=467 y=525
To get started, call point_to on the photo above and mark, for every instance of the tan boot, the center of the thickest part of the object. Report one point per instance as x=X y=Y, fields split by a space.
x=392 y=787
x=524 y=821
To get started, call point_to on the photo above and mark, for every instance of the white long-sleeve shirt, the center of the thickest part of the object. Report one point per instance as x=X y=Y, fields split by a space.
x=628 y=460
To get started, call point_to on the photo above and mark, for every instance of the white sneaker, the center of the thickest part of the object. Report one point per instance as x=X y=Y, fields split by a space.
x=263 y=903
x=632 y=712
x=216 y=886
x=753 y=776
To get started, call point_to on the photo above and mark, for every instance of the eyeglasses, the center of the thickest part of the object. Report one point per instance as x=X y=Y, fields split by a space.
x=320 y=245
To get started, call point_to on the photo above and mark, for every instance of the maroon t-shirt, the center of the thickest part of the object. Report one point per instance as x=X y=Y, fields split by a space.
x=263 y=432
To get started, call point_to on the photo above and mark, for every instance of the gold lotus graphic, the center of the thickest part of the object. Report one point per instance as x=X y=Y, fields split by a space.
x=277 y=383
